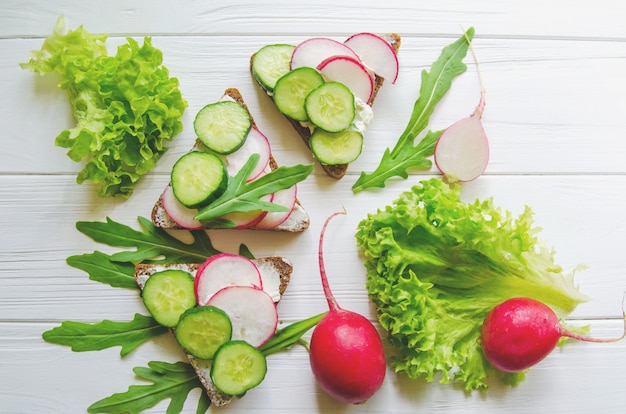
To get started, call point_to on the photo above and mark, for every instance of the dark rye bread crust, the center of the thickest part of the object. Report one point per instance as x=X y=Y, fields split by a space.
x=161 y=219
x=203 y=368
x=336 y=171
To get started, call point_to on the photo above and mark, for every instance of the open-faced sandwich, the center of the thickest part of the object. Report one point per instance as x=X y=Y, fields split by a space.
x=326 y=89
x=220 y=312
x=230 y=178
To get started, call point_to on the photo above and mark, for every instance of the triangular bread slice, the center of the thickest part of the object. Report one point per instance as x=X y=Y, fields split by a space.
x=298 y=220
x=338 y=170
x=276 y=273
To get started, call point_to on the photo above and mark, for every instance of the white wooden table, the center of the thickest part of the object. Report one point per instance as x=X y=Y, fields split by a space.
x=555 y=74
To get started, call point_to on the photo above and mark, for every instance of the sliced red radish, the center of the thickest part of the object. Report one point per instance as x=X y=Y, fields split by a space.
x=181 y=215
x=351 y=72
x=256 y=143
x=286 y=198
x=313 y=51
x=252 y=313
x=225 y=270
x=248 y=219
x=376 y=53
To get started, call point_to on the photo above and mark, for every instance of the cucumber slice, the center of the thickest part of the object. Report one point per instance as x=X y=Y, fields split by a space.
x=270 y=63
x=198 y=178
x=238 y=367
x=202 y=330
x=222 y=126
x=331 y=107
x=168 y=294
x=292 y=89
x=336 y=147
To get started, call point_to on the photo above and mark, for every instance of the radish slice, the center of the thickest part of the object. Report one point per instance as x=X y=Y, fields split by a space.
x=313 y=51
x=462 y=151
x=376 y=53
x=181 y=215
x=351 y=72
x=225 y=270
x=252 y=313
x=256 y=143
x=286 y=198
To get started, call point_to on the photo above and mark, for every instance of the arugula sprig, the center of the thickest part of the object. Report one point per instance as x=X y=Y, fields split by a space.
x=241 y=196
x=406 y=154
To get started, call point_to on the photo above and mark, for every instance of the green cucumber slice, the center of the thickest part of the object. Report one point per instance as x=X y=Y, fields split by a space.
x=333 y=148
x=292 y=89
x=167 y=294
x=238 y=367
x=222 y=126
x=202 y=330
x=270 y=63
x=331 y=107
x=198 y=178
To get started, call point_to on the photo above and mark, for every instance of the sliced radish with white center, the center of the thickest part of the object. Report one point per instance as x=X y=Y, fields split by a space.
x=313 y=51
x=256 y=143
x=181 y=215
x=250 y=218
x=252 y=313
x=351 y=72
x=224 y=270
x=286 y=198
x=376 y=53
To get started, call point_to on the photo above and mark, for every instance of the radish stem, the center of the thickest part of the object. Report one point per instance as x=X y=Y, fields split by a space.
x=481 y=104
x=601 y=340
x=332 y=303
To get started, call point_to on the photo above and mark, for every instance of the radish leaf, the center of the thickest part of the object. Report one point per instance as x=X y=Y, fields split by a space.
x=83 y=337
x=150 y=243
x=406 y=154
x=174 y=381
x=241 y=196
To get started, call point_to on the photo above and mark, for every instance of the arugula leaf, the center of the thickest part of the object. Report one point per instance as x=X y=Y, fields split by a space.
x=241 y=196
x=434 y=86
x=151 y=243
x=284 y=338
x=83 y=337
x=173 y=381
x=102 y=269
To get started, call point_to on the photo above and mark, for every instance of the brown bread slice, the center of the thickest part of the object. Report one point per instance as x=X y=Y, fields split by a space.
x=275 y=267
x=297 y=222
x=339 y=170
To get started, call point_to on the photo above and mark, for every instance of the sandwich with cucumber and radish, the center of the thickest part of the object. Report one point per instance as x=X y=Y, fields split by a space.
x=326 y=89
x=230 y=178
x=221 y=312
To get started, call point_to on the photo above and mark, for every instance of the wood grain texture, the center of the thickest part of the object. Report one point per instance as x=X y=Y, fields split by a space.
x=556 y=120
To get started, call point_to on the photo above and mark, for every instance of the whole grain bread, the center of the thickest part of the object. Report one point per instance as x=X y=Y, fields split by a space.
x=297 y=222
x=271 y=268
x=337 y=170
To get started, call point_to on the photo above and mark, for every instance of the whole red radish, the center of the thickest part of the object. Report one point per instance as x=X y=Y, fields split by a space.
x=347 y=356
x=520 y=332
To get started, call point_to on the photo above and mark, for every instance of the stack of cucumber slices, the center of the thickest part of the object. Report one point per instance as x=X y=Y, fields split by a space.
x=221 y=314
x=328 y=87
x=227 y=138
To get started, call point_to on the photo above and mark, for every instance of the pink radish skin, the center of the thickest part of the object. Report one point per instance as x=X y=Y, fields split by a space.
x=376 y=53
x=286 y=198
x=313 y=51
x=252 y=313
x=352 y=73
x=223 y=270
x=520 y=332
x=180 y=214
x=462 y=150
x=346 y=356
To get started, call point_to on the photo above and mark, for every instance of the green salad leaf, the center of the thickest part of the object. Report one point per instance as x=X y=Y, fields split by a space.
x=102 y=269
x=174 y=381
x=126 y=106
x=242 y=196
x=406 y=153
x=83 y=337
x=437 y=265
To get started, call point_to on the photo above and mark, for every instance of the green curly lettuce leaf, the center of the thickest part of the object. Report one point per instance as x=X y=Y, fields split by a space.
x=125 y=106
x=437 y=265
